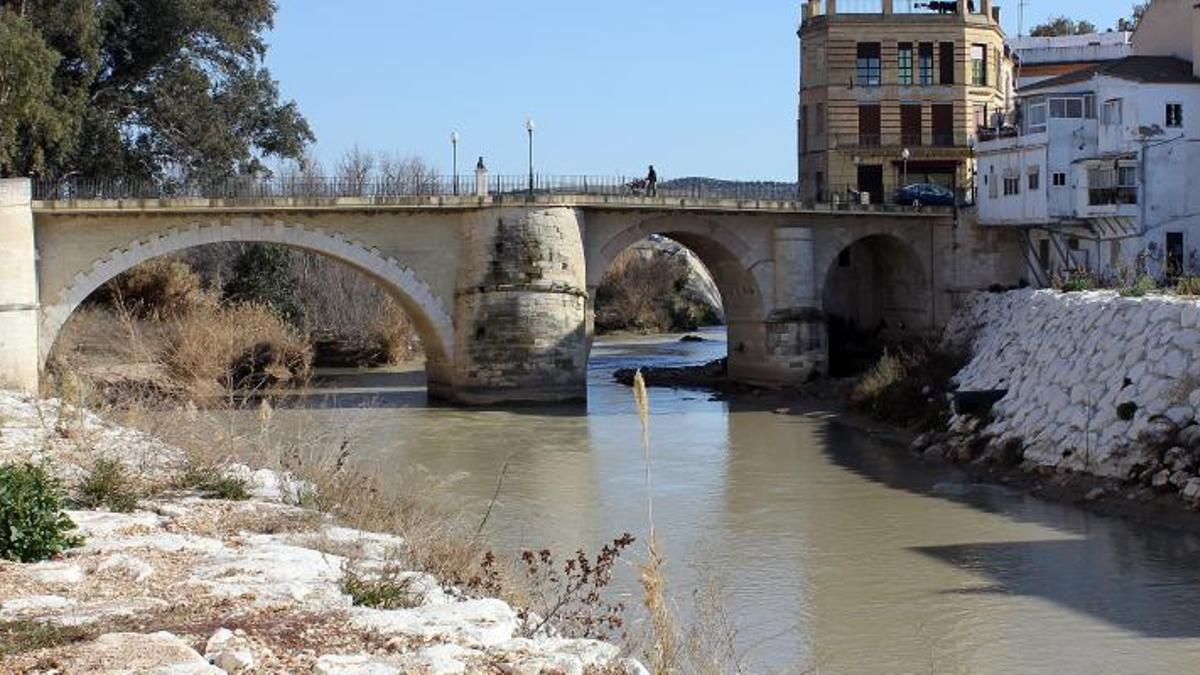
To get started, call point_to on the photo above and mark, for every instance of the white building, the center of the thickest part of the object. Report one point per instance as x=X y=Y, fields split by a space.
x=1098 y=174
x=1041 y=58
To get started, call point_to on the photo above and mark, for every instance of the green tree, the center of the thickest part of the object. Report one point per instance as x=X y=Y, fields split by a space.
x=1061 y=25
x=34 y=128
x=1131 y=23
x=262 y=274
x=164 y=89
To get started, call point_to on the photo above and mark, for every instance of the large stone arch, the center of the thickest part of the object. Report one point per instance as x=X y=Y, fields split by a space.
x=741 y=277
x=743 y=274
x=876 y=282
x=429 y=315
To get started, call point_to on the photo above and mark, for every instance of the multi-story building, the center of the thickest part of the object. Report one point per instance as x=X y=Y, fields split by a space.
x=893 y=92
x=1098 y=173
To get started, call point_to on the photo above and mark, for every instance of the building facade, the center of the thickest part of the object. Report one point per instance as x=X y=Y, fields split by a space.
x=882 y=77
x=1041 y=58
x=1097 y=176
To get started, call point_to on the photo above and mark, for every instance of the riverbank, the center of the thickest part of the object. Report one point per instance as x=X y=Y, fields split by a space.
x=1099 y=407
x=244 y=578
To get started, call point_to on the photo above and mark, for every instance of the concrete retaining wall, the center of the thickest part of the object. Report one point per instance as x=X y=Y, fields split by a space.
x=1070 y=361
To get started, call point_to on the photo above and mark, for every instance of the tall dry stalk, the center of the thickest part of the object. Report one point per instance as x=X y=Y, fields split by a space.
x=664 y=647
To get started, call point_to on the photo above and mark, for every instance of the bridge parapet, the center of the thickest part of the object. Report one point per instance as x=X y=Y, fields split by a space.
x=80 y=196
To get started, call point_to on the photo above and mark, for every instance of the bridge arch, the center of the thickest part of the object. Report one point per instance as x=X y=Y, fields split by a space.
x=742 y=272
x=430 y=317
x=740 y=276
x=875 y=285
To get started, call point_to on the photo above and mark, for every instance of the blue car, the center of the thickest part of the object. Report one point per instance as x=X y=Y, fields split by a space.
x=926 y=194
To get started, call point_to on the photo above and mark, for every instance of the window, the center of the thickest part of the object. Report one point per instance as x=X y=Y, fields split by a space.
x=1059 y=179
x=1012 y=185
x=1174 y=114
x=1066 y=108
x=925 y=63
x=993 y=186
x=1089 y=106
x=1108 y=185
x=1035 y=178
x=904 y=58
x=803 y=128
x=869 y=126
x=819 y=122
x=910 y=124
x=869 y=66
x=1110 y=114
x=946 y=63
x=943 y=124
x=979 y=65
x=1036 y=120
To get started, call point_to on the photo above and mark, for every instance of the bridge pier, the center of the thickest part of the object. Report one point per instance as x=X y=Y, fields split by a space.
x=19 y=313
x=797 y=344
x=520 y=308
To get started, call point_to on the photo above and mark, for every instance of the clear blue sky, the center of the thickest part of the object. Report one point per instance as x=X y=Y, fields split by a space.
x=697 y=88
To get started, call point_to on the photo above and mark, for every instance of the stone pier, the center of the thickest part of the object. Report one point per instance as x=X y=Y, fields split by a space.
x=19 y=309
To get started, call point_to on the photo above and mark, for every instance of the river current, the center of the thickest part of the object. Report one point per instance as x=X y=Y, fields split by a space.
x=834 y=553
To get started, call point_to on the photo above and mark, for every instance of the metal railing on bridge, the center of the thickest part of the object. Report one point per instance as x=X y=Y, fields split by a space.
x=765 y=194
x=407 y=187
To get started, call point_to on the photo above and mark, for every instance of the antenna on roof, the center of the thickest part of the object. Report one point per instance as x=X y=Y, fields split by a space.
x=1021 y=17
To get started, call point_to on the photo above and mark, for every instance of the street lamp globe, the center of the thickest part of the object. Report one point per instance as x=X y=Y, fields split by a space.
x=529 y=126
x=905 y=154
x=454 y=137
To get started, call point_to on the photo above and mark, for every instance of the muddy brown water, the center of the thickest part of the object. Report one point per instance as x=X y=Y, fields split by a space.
x=834 y=553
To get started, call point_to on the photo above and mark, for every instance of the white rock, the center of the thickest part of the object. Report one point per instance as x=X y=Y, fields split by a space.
x=353 y=664
x=56 y=573
x=482 y=623
x=127 y=566
x=273 y=574
x=141 y=653
x=229 y=651
x=1192 y=489
x=33 y=604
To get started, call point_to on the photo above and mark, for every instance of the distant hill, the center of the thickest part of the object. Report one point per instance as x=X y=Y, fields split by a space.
x=729 y=189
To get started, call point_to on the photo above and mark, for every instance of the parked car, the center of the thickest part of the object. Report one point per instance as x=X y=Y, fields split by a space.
x=927 y=194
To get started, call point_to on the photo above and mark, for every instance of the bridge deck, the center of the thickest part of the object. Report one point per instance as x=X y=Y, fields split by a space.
x=464 y=203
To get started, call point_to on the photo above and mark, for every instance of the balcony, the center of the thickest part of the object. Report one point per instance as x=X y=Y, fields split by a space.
x=896 y=141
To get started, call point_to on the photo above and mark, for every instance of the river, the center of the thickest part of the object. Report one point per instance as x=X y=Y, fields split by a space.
x=835 y=553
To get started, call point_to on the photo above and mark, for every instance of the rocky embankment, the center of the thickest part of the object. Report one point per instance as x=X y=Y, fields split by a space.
x=1097 y=385
x=185 y=584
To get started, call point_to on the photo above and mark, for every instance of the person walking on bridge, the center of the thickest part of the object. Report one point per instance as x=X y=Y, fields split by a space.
x=652 y=182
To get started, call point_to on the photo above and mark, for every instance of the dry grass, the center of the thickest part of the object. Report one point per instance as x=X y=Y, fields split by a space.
x=215 y=350
x=647 y=293
x=157 y=289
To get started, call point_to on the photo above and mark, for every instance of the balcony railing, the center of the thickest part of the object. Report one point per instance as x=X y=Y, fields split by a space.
x=899 y=140
x=1116 y=196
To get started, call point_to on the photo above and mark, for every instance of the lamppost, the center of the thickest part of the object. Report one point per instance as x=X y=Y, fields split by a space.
x=904 y=155
x=529 y=127
x=454 y=143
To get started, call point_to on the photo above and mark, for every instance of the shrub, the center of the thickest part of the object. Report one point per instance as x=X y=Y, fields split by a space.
x=211 y=483
x=107 y=485
x=240 y=347
x=1126 y=411
x=1141 y=286
x=387 y=589
x=1073 y=282
x=393 y=334
x=909 y=387
x=156 y=289
x=649 y=292
x=1187 y=286
x=33 y=526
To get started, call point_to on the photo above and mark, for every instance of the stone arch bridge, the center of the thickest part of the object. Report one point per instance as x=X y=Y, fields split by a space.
x=501 y=287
